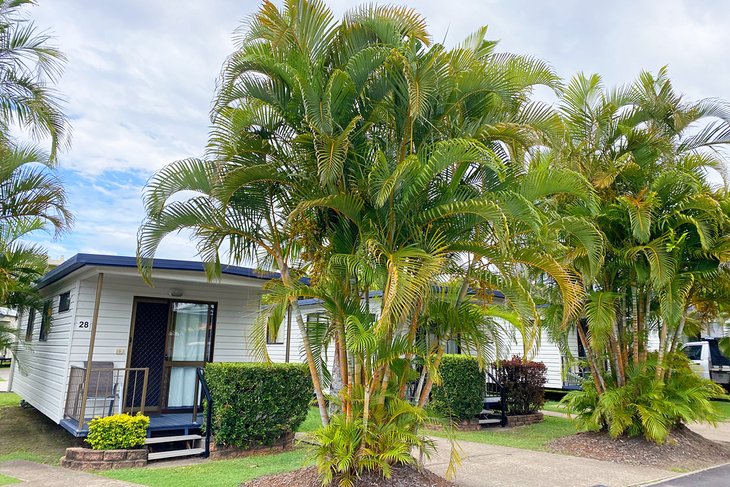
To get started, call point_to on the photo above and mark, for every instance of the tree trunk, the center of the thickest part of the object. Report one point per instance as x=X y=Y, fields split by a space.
x=635 y=324
x=595 y=371
x=316 y=382
x=429 y=382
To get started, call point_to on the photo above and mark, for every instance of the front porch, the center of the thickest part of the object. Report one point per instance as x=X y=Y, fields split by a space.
x=160 y=423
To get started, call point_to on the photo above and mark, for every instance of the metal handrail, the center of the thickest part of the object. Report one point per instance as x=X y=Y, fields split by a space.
x=502 y=399
x=200 y=373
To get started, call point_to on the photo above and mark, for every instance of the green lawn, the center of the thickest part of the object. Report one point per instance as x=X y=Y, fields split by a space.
x=9 y=399
x=312 y=422
x=724 y=408
x=219 y=473
x=5 y=480
x=532 y=437
x=26 y=434
x=554 y=406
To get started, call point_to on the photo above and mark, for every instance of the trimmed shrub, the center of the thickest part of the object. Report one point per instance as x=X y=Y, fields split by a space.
x=461 y=392
x=118 y=432
x=256 y=404
x=525 y=384
x=646 y=406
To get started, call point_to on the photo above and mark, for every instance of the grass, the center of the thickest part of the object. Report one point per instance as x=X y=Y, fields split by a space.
x=554 y=406
x=29 y=435
x=222 y=473
x=312 y=422
x=218 y=473
x=5 y=480
x=9 y=399
x=532 y=437
x=724 y=408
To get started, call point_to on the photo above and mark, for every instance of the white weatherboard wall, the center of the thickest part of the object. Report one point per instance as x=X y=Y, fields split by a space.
x=548 y=353
x=45 y=382
x=40 y=373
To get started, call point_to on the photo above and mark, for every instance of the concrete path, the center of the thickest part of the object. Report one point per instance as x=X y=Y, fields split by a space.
x=711 y=477
x=38 y=475
x=498 y=466
x=4 y=376
x=719 y=433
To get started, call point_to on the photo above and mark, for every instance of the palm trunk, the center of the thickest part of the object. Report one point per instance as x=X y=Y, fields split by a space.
x=662 y=346
x=306 y=344
x=595 y=371
x=429 y=382
x=635 y=323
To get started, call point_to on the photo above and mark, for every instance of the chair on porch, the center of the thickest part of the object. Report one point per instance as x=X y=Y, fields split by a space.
x=102 y=385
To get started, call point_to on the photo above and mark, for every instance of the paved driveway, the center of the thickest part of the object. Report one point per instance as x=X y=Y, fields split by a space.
x=713 y=477
x=499 y=466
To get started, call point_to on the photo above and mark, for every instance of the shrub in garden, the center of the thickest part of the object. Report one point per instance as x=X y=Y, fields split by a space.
x=524 y=381
x=646 y=405
x=460 y=395
x=118 y=432
x=254 y=403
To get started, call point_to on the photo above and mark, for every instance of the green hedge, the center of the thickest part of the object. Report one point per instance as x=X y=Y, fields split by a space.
x=461 y=392
x=118 y=432
x=254 y=403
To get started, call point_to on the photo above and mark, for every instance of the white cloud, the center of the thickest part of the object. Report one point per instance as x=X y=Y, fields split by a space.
x=141 y=76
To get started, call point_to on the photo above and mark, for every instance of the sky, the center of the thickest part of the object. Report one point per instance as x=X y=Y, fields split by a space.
x=141 y=76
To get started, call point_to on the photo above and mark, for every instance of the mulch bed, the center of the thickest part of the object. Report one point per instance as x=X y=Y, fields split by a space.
x=684 y=449
x=403 y=476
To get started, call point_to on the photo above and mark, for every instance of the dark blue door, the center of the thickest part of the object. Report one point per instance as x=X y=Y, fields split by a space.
x=148 y=350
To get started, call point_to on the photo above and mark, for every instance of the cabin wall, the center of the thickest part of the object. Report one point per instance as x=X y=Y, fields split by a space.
x=237 y=307
x=39 y=374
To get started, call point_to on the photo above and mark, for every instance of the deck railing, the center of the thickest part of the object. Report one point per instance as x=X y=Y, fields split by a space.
x=574 y=372
x=495 y=388
x=203 y=385
x=102 y=390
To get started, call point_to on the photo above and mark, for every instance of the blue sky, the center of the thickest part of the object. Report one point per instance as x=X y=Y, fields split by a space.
x=141 y=75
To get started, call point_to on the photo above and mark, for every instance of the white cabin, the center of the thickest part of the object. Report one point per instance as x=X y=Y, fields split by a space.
x=144 y=343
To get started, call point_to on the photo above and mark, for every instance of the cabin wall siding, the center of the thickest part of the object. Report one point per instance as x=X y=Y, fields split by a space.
x=40 y=375
x=237 y=307
x=43 y=380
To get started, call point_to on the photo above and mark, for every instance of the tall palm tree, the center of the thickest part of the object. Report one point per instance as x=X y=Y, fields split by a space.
x=29 y=67
x=664 y=226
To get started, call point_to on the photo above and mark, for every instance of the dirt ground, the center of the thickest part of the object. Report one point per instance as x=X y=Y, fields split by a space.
x=28 y=435
x=403 y=476
x=684 y=450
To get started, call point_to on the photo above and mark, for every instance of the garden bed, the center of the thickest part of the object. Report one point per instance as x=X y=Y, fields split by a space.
x=524 y=419
x=684 y=450
x=88 y=459
x=403 y=476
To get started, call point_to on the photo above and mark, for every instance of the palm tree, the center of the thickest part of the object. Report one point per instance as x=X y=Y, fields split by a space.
x=29 y=66
x=32 y=197
x=664 y=226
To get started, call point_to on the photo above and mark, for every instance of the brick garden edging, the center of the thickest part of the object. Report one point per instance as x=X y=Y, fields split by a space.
x=525 y=419
x=88 y=459
x=464 y=425
x=284 y=443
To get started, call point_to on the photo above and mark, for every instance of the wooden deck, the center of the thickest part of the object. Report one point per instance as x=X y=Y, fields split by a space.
x=160 y=422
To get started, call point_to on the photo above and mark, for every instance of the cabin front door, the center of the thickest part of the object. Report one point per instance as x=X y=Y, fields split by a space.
x=170 y=338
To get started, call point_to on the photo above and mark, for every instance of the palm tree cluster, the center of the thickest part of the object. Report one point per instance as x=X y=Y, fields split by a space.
x=356 y=155
x=32 y=197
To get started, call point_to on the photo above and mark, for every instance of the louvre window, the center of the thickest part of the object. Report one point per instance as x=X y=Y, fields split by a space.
x=64 y=302
x=45 y=321
x=29 y=328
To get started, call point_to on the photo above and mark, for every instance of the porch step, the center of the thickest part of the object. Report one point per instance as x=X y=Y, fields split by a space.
x=492 y=399
x=171 y=439
x=490 y=421
x=188 y=452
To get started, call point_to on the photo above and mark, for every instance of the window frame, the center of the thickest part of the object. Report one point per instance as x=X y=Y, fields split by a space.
x=30 y=325
x=64 y=299
x=45 y=321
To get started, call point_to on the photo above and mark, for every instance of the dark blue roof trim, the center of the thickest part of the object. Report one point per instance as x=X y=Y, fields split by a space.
x=80 y=260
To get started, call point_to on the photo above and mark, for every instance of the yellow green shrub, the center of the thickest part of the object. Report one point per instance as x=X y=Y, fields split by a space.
x=118 y=432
